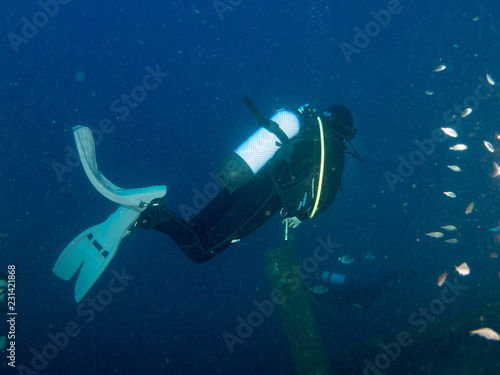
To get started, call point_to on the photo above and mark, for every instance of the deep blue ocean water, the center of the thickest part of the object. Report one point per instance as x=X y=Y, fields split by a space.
x=171 y=317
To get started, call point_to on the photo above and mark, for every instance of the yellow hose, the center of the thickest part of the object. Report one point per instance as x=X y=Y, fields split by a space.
x=321 y=169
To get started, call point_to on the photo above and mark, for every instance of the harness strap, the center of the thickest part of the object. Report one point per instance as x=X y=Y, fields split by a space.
x=355 y=155
x=266 y=123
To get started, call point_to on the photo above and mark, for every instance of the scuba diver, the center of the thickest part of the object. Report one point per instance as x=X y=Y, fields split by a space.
x=3 y=306
x=292 y=164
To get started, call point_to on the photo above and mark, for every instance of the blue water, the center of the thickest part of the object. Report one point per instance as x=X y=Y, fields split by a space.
x=171 y=317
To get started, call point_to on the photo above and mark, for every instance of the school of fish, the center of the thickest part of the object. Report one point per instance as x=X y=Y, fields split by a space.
x=463 y=269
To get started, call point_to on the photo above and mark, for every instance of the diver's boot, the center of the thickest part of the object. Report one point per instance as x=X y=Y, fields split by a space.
x=93 y=249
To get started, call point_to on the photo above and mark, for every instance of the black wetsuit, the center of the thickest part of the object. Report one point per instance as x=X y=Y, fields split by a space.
x=282 y=182
x=361 y=294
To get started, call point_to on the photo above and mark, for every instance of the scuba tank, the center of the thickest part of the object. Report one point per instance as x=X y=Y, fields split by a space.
x=247 y=160
x=331 y=278
x=263 y=144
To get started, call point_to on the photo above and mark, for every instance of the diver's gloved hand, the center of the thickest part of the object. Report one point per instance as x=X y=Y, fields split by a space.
x=293 y=222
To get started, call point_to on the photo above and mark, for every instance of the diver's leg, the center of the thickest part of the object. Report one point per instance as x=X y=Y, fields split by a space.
x=181 y=232
x=250 y=207
x=224 y=221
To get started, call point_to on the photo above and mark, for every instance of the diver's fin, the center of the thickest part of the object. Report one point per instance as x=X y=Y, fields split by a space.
x=136 y=198
x=93 y=250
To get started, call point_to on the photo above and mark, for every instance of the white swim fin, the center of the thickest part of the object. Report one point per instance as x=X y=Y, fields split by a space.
x=92 y=251
x=135 y=198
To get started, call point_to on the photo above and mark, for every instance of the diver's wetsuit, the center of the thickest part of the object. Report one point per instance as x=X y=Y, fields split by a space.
x=281 y=183
x=360 y=294
x=352 y=293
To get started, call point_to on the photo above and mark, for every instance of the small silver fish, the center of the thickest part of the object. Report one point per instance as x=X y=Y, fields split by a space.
x=458 y=147
x=369 y=255
x=435 y=234
x=450 y=132
x=490 y=79
x=451 y=240
x=450 y=194
x=319 y=289
x=487 y=333
x=496 y=173
x=463 y=269
x=439 y=68
x=346 y=259
x=489 y=146
x=466 y=112
x=449 y=227
x=454 y=168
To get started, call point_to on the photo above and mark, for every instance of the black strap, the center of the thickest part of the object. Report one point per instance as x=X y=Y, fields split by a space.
x=266 y=123
x=356 y=155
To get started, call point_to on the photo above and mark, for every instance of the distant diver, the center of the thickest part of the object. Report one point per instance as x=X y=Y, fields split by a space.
x=338 y=290
x=293 y=163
